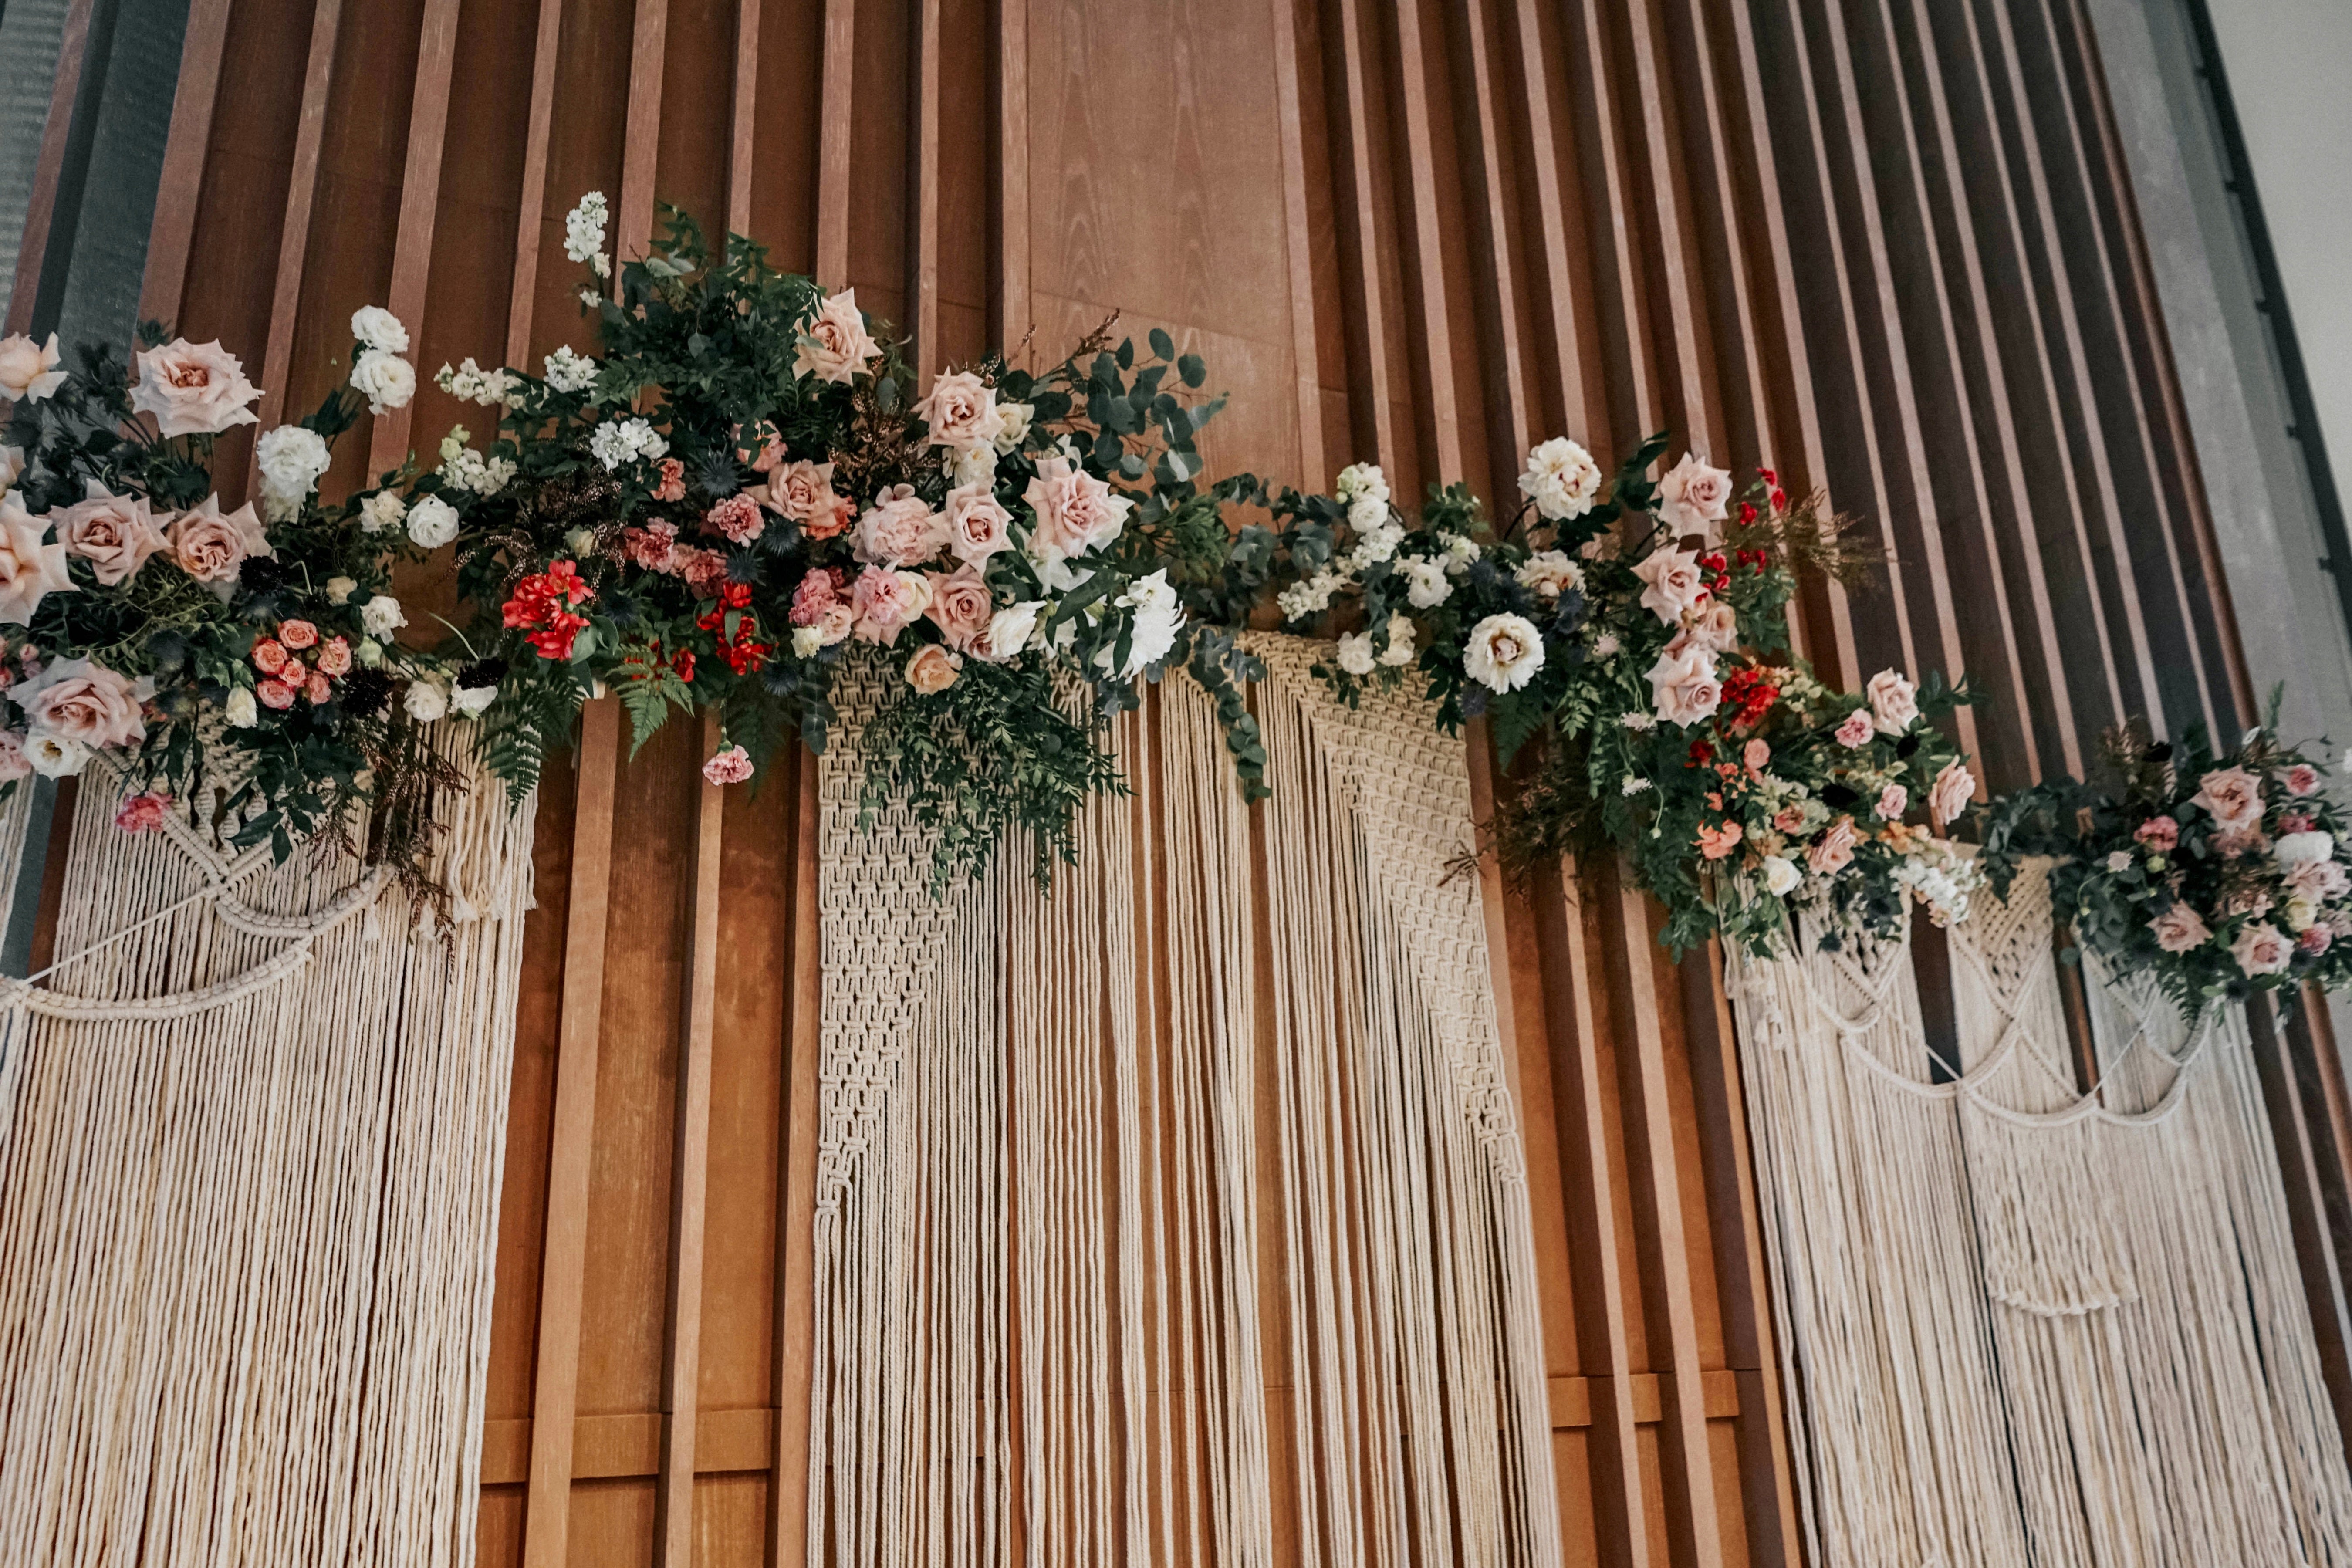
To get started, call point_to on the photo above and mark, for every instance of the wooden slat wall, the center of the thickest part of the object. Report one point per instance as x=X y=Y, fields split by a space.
x=1884 y=244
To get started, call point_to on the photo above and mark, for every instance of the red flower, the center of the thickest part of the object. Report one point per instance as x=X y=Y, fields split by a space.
x=542 y=602
x=682 y=662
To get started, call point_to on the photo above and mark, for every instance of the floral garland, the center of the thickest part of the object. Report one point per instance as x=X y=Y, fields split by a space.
x=742 y=493
x=238 y=664
x=2216 y=876
x=1642 y=636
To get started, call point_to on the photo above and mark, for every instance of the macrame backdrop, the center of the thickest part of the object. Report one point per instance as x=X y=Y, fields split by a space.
x=1047 y=1126
x=251 y=1128
x=2023 y=1325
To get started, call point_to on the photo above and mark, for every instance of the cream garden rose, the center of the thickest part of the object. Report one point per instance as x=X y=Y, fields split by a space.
x=115 y=534
x=1674 y=585
x=1504 y=652
x=1692 y=497
x=86 y=703
x=836 y=345
x=30 y=568
x=1684 y=686
x=212 y=548
x=193 y=389
x=933 y=670
x=29 y=371
x=385 y=380
x=1894 y=703
x=961 y=411
x=1561 y=479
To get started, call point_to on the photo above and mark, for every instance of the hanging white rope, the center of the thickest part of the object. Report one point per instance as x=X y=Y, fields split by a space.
x=2023 y=1323
x=250 y=1138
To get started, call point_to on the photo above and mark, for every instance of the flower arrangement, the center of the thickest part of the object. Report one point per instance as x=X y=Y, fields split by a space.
x=2215 y=875
x=743 y=494
x=1640 y=632
x=238 y=664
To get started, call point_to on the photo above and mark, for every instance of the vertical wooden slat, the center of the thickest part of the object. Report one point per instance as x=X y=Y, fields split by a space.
x=2307 y=1151
x=1516 y=431
x=1689 y=354
x=1558 y=234
x=1425 y=249
x=40 y=208
x=647 y=45
x=1012 y=258
x=788 y=1489
x=1371 y=392
x=744 y=117
x=533 y=209
x=682 y=1402
x=1298 y=245
x=420 y=202
x=834 y=141
x=923 y=195
x=564 y=1245
x=294 y=240
x=182 y=183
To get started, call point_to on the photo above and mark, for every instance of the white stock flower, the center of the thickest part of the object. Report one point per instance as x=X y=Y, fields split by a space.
x=1562 y=479
x=623 y=441
x=1425 y=583
x=583 y=228
x=291 y=459
x=379 y=328
x=382 y=513
x=1356 y=653
x=242 y=710
x=382 y=617
x=2293 y=848
x=1362 y=481
x=1308 y=598
x=568 y=372
x=432 y=523
x=1504 y=652
x=384 y=379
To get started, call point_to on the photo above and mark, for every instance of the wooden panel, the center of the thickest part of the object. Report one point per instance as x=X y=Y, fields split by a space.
x=1881 y=244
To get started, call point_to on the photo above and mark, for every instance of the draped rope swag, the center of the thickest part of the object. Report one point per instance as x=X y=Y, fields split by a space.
x=251 y=1131
x=1053 y=1128
x=2022 y=1324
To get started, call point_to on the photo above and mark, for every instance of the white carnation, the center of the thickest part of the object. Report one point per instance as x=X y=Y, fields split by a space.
x=1356 y=653
x=384 y=379
x=382 y=617
x=806 y=640
x=432 y=523
x=583 y=228
x=382 y=513
x=427 y=700
x=379 y=328
x=291 y=459
x=1562 y=479
x=1425 y=583
x=568 y=372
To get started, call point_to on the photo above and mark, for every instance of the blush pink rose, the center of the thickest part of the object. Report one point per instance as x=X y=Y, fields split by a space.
x=1076 y=512
x=1683 y=686
x=884 y=602
x=2234 y=796
x=85 y=702
x=837 y=622
x=2263 y=949
x=835 y=345
x=1894 y=703
x=2158 y=833
x=732 y=765
x=2302 y=779
x=737 y=518
x=1692 y=496
x=212 y=548
x=298 y=634
x=30 y=569
x=901 y=529
x=143 y=813
x=2318 y=880
x=2179 y=929
x=961 y=411
x=977 y=526
x=960 y=605
x=771 y=452
x=29 y=371
x=2315 y=942
x=193 y=389
x=1857 y=729
x=274 y=693
x=115 y=534
x=1833 y=851
x=932 y=670
x=1674 y=585
x=1893 y=802
x=1716 y=624
x=14 y=763
x=803 y=492
x=2232 y=842
x=1954 y=787
x=334 y=658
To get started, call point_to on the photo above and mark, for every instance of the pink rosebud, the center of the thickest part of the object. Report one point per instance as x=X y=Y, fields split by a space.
x=296 y=634
x=2302 y=779
x=143 y=813
x=1857 y=729
x=732 y=765
x=319 y=689
x=1893 y=802
x=334 y=657
x=2159 y=833
x=1754 y=755
x=268 y=656
x=275 y=693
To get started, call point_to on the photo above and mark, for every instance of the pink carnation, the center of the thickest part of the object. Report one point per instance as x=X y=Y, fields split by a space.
x=671 y=486
x=732 y=765
x=1893 y=802
x=1857 y=729
x=737 y=517
x=143 y=813
x=817 y=593
x=705 y=570
x=653 y=547
x=2302 y=779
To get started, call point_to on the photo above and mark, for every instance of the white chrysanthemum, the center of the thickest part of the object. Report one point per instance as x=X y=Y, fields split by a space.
x=1562 y=479
x=1363 y=481
x=1425 y=587
x=1356 y=653
x=383 y=512
x=568 y=372
x=384 y=379
x=1399 y=650
x=379 y=328
x=432 y=523
x=1504 y=652
x=583 y=228
x=291 y=459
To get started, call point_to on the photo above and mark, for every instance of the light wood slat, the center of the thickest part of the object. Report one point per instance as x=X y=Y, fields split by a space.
x=181 y=188
x=682 y=1402
x=744 y=117
x=1661 y=1235
x=788 y=1492
x=1691 y=354
x=294 y=240
x=1742 y=1284
x=1617 y=280
x=1372 y=397
x=534 y=206
x=923 y=252
x=1273 y=1238
x=571 y=1143
x=1565 y=296
x=1515 y=433
x=40 y=208
x=833 y=143
x=1738 y=379
x=1010 y=261
x=1425 y=248
x=420 y=201
x=649 y=46
x=610 y=1448
x=1299 y=246
x=1789 y=431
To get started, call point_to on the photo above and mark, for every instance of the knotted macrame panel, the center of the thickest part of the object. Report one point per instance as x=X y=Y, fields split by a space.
x=1177 y=1214
x=2023 y=1324
x=251 y=1128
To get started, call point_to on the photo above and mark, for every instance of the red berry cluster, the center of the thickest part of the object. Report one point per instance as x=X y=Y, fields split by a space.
x=543 y=602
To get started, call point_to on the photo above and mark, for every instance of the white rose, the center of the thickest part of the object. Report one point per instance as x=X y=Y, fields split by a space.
x=1400 y=649
x=806 y=640
x=1363 y=481
x=1013 y=422
x=427 y=701
x=291 y=459
x=1425 y=583
x=1562 y=479
x=385 y=380
x=1010 y=629
x=243 y=712
x=1356 y=653
x=1367 y=513
x=469 y=701
x=2293 y=848
x=1780 y=876
x=432 y=523
x=341 y=589
x=1504 y=652
x=55 y=756
x=382 y=615
x=1550 y=572
x=382 y=513
x=379 y=328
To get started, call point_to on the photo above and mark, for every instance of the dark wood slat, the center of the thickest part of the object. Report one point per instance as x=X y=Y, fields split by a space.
x=1372 y=397
x=533 y=211
x=633 y=220
x=1684 y=363
x=420 y=203
x=294 y=240
x=788 y=1490
x=1425 y=249
x=833 y=143
x=1306 y=370
x=180 y=186
x=49 y=171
